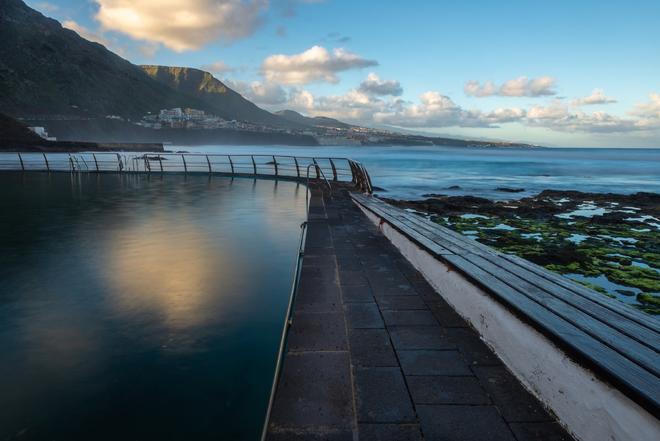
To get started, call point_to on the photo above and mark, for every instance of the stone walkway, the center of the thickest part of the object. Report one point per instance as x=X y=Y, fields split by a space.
x=374 y=353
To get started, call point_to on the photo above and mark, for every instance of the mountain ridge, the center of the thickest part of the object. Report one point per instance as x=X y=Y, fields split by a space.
x=223 y=101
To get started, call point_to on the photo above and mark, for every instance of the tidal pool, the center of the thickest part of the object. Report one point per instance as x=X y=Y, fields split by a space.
x=142 y=308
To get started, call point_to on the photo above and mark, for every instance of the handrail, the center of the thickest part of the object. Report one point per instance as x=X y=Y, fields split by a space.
x=285 y=329
x=285 y=167
x=289 y=314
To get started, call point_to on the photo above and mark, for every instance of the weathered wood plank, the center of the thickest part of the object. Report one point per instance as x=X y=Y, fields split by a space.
x=618 y=369
x=632 y=328
x=634 y=323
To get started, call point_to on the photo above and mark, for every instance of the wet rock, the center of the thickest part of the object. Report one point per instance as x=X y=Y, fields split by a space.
x=510 y=190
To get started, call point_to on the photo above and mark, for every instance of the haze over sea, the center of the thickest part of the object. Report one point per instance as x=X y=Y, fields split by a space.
x=411 y=172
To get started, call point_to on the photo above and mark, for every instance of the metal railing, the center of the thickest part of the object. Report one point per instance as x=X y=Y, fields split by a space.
x=270 y=166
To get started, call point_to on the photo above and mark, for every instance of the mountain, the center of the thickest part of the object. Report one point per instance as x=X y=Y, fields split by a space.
x=316 y=121
x=46 y=69
x=222 y=100
x=15 y=135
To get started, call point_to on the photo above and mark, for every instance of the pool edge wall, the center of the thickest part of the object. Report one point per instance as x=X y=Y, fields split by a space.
x=589 y=408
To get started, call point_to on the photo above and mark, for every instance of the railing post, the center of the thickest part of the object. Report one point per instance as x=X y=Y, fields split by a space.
x=20 y=158
x=160 y=160
x=46 y=160
x=185 y=166
x=297 y=168
x=275 y=165
x=231 y=164
x=120 y=164
x=71 y=166
x=209 y=163
x=316 y=166
x=334 y=169
x=96 y=163
x=254 y=165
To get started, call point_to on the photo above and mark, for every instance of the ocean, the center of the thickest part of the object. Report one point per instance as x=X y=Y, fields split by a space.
x=411 y=172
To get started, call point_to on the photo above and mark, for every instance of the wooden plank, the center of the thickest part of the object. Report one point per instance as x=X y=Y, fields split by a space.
x=638 y=329
x=636 y=380
x=632 y=349
x=636 y=342
x=632 y=328
x=632 y=314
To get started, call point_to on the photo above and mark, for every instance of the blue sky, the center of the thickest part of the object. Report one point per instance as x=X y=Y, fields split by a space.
x=562 y=73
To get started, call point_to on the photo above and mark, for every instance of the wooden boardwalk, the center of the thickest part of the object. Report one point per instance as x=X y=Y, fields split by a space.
x=374 y=353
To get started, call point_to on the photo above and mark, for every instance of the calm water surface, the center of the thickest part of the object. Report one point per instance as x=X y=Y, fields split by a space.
x=134 y=308
x=410 y=172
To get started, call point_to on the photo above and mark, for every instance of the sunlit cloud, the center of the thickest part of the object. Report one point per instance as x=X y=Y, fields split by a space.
x=597 y=97
x=182 y=26
x=316 y=64
x=218 y=68
x=517 y=87
x=261 y=93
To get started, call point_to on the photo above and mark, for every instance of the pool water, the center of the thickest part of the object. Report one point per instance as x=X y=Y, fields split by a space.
x=142 y=308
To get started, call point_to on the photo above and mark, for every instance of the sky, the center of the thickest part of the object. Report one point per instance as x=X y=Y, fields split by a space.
x=562 y=73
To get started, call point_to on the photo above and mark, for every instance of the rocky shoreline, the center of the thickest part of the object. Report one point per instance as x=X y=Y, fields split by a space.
x=608 y=242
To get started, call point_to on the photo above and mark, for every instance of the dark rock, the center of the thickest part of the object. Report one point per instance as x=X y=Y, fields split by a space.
x=510 y=190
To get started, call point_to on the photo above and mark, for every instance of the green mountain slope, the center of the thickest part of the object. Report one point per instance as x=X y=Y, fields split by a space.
x=224 y=101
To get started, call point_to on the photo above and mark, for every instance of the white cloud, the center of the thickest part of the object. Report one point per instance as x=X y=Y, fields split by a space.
x=373 y=85
x=218 y=68
x=557 y=116
x=179 y=25
x=267 y=94
x=648 y=113
x=316 y=64
x=86 y=33
x=597 y=97
x=521 y=86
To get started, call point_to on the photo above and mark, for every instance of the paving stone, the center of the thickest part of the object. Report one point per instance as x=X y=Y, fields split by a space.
x=472 y=348
x=319 y=273
x=382 y=396
x=433 y=363
x=539 y=432
x=363 y=315
x=317 y=331
x=409 y=318
x=419 y=337
x=464 y=423
x=319 y=251
x=321 y=261
x=401 y=303
x=389 y=432
x=394 y=290
x=515 y=403
x=446 y=315
x=357 y=294
x=315 y=295
x=446 y=390
x=347 y=278
x=425 y=290
x=349 y=264
x=314 y=392
x=371 y=347
x=323 y=434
